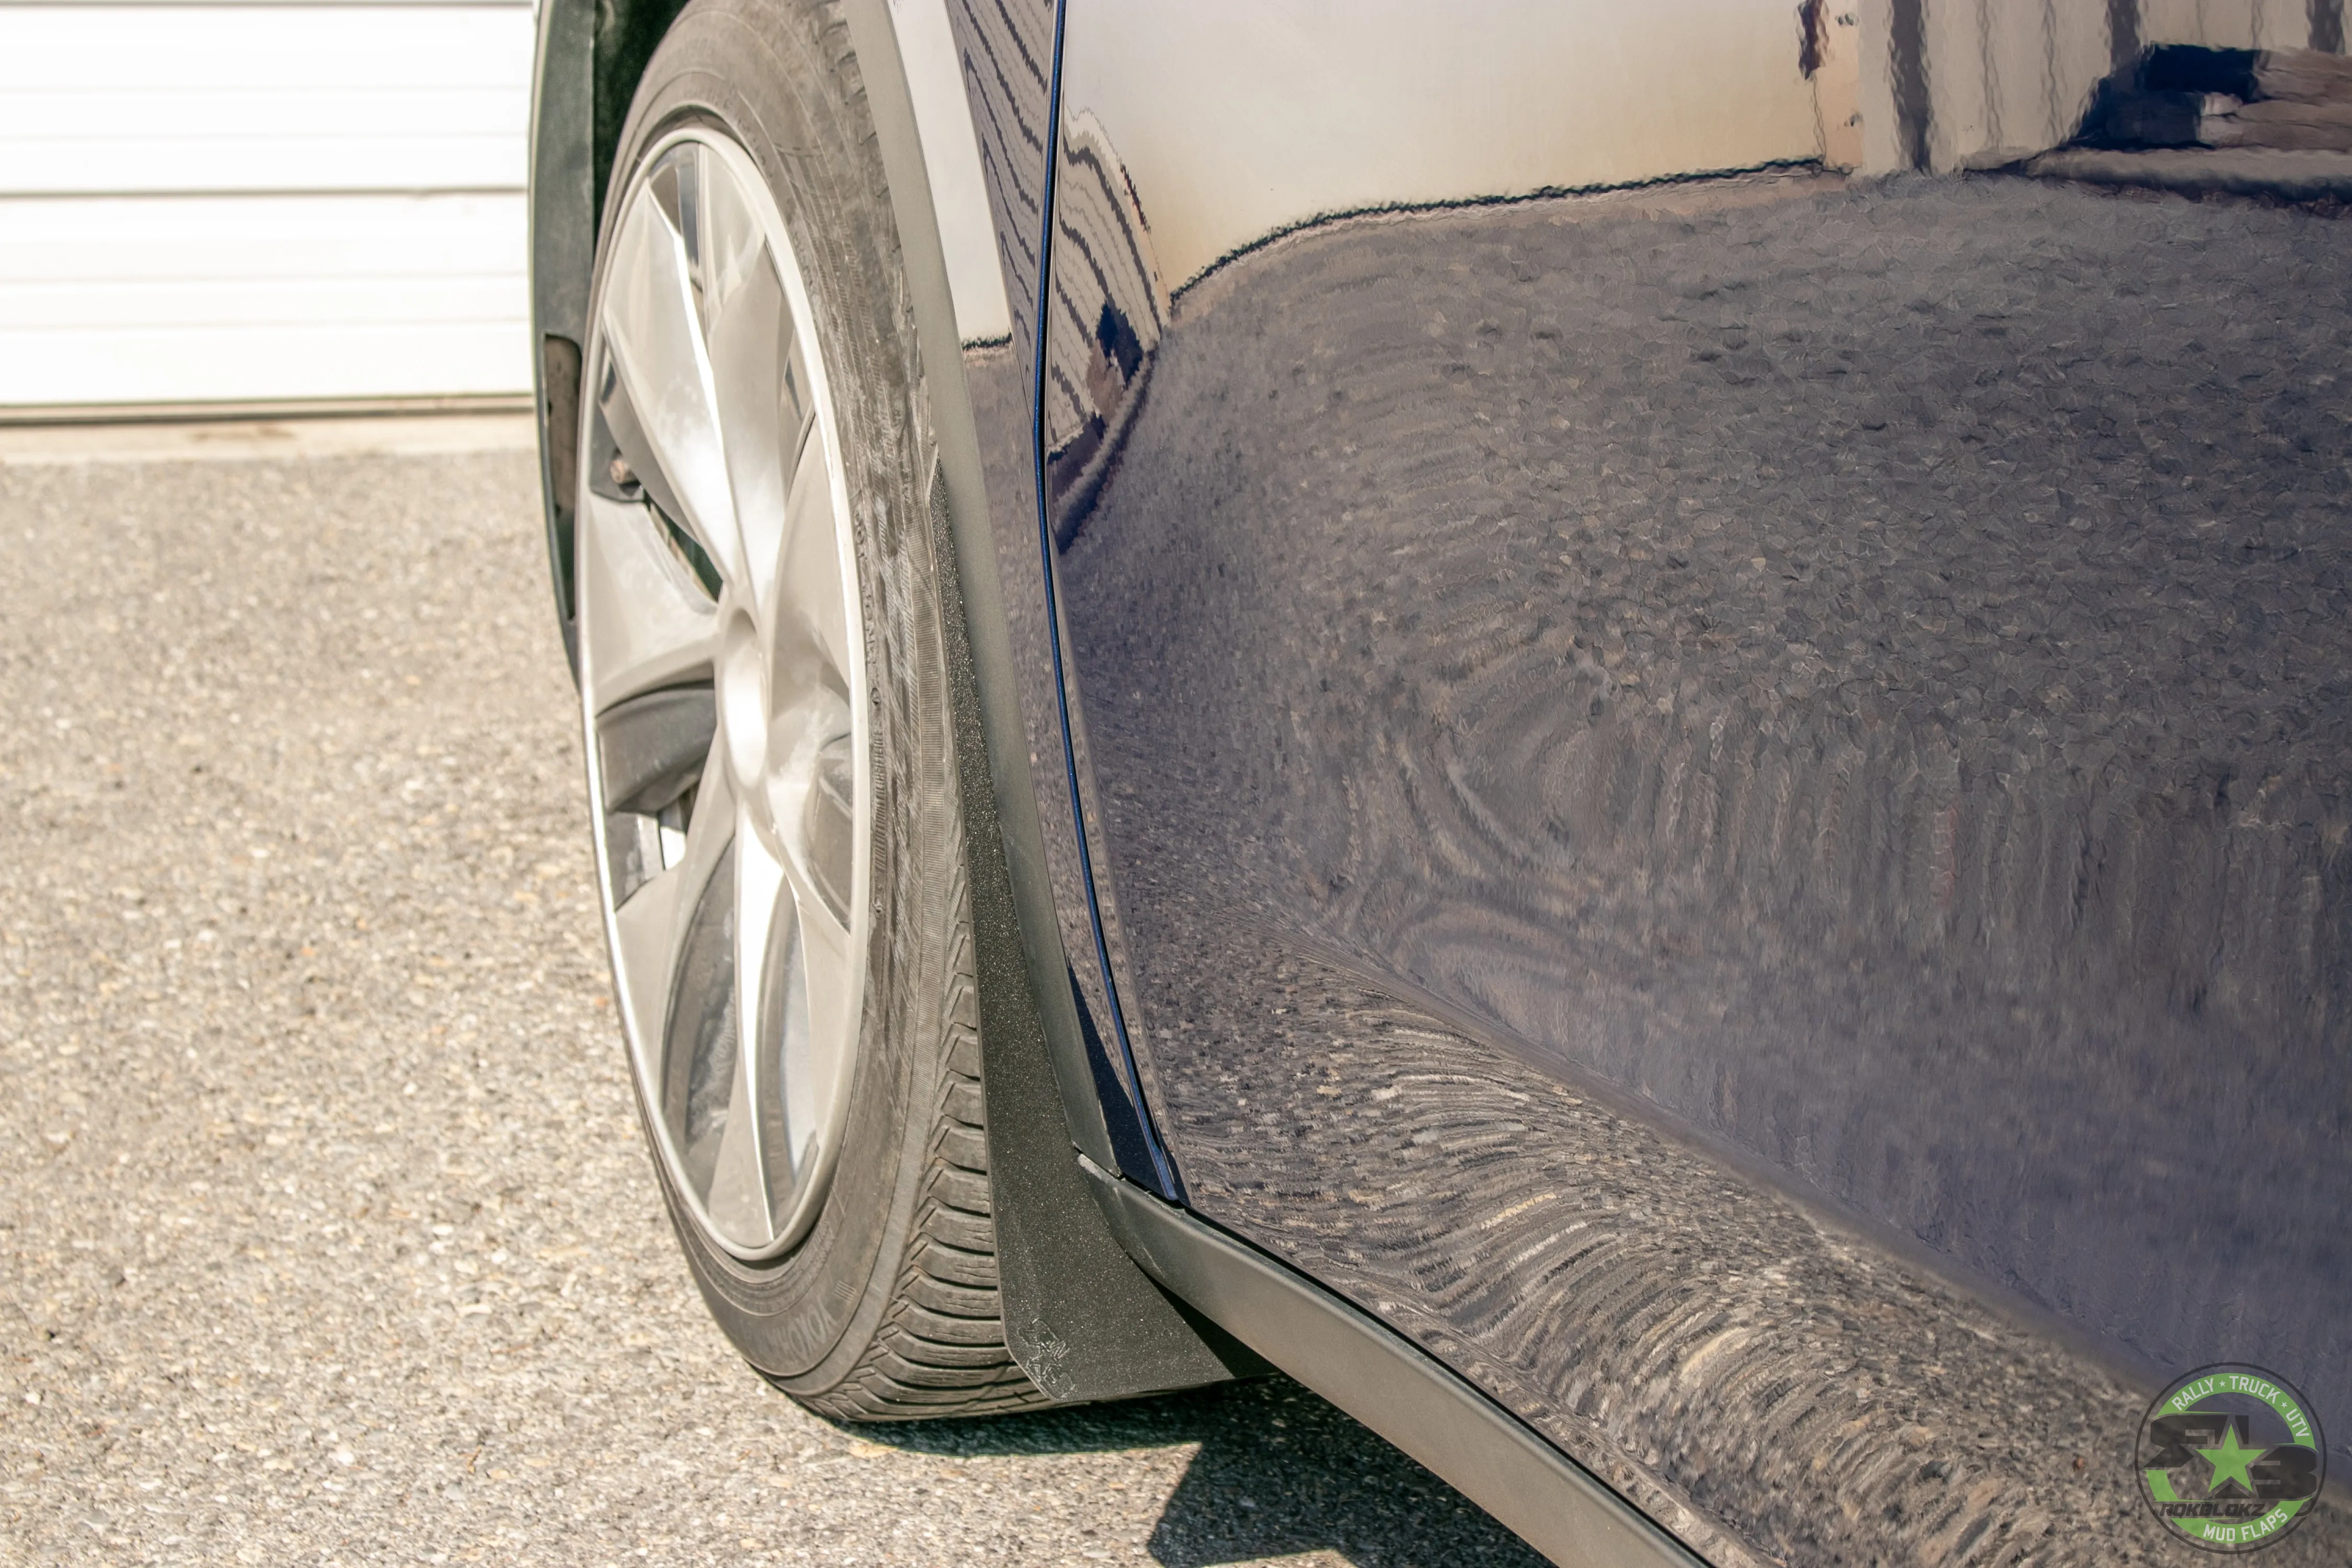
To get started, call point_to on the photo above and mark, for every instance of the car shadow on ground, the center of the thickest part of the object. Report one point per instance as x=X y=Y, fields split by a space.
x=1280 y=1471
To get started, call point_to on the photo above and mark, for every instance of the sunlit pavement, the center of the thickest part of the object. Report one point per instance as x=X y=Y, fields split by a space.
x=328 y=1232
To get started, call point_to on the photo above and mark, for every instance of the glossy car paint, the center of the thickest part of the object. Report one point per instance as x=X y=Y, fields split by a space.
x=1006 y=53
x=1713 y=782
x=1710 y=724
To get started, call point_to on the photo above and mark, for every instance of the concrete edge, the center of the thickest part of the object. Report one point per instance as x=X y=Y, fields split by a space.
x=39 y=446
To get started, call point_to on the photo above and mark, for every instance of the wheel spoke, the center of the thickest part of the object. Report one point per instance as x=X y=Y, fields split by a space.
x=653 y=925
x=643 y=960
x=738 y=1198
x=741 y=1184
x=830 y=985
x=791 y=1112
x=654 y=329
x=811 y=636
x=649 y=629
x=813 y=799
x=751 y=357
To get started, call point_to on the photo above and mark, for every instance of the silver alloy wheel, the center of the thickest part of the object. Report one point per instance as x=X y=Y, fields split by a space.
x=724 y=681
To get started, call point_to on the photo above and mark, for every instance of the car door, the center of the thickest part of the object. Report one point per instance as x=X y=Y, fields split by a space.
x=1700 y=714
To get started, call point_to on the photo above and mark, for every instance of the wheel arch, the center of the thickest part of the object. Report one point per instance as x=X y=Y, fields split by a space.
x=589 y=55
x=1082 y=1318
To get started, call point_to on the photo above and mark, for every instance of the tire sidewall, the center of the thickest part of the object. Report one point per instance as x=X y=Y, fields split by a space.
x=780 y=81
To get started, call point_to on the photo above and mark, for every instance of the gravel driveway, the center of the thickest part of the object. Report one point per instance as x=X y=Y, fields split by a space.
x=328 y=1232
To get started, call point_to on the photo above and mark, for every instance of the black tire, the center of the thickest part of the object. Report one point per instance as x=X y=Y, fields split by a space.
x=888 y=1309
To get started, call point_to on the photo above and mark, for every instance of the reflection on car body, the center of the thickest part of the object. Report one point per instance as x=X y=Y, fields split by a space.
x=1664 y=693
x=1724 y=774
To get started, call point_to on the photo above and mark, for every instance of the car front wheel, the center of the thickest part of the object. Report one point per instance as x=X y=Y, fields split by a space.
x=781 y=842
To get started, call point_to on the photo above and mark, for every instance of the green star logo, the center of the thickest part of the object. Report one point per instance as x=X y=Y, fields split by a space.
x=2230 y=1462
x=2229 y=1458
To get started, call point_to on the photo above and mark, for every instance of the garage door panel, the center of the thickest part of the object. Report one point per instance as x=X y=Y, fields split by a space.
x=227 y=49
x=161 y=300
x=182 y=97
x=46 y=167
x=268 y=365
x=66 y=309
x=213 y=203
x=78 y=113
x=46 y=240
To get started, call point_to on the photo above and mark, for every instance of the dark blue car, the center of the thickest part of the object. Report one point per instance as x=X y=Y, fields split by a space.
x=1625 y=730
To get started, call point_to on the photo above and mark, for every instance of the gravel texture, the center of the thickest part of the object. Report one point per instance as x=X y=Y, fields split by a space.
x=328 y=1232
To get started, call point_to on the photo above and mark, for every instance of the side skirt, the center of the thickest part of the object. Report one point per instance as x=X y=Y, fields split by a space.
x=1389 y=1383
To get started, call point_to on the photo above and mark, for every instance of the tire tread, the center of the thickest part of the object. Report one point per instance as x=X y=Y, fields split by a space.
x=940 y=1350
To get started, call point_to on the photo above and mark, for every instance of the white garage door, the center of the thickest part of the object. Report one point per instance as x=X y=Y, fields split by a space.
x=262 y=204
